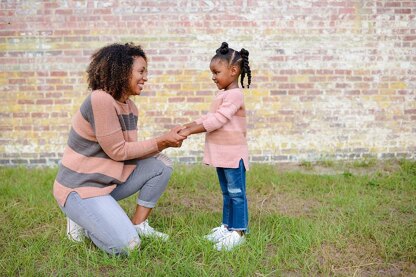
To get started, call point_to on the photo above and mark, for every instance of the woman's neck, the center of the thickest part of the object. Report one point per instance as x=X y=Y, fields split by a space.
x=123 y=99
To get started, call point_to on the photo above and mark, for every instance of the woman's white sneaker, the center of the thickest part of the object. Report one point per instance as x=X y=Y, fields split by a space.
x=145 y=230
x=229 y=241
x=73 y=231
x=217 y=233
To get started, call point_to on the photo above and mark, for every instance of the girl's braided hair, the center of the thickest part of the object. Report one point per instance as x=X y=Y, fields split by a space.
x=111 y=67
x=234 y=57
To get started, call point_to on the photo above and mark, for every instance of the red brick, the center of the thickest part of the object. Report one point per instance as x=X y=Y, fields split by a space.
x=402 y=11
x=25 y=102
x=352 y=92
x=314 y=92
x=17 y=81
x=296 y=92
x=63 y=87
x=39 y=115
x=44 y=102
x=163 y=120
x=325 y=72
x=191 y=113
x=63 y=11
x=27 y=88
x=286 y=86
x=342 y=85
x=20 y=114
x=392 y=4
x=58 y=74
x=304 y=85
x=410 y=111
x=409 y=38
x=278 y=92
x=26 y=74
x=176 y=99
x=62 y=101
x=195 y=99
x=54 y=81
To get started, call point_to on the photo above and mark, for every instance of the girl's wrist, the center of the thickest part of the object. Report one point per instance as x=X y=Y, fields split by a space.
x=185 y=132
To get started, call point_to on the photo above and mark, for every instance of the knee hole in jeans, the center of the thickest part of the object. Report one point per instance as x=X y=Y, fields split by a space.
x=235 y=192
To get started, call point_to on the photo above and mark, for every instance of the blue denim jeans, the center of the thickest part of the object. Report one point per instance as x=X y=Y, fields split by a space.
x=233 y=186
x=104 y=221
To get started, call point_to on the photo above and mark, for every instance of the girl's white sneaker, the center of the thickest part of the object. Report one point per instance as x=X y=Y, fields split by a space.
x=217 y=234
x=229 y=241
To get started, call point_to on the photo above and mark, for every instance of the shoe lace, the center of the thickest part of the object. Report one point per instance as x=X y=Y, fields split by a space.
x=216 y=229
x=220 y=229
x=228 y=238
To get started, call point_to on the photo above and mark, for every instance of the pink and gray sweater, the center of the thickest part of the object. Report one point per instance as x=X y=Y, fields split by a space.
x=102 y=148
x=225 y=123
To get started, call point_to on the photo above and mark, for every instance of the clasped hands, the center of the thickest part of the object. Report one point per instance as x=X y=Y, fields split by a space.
x=175 y=137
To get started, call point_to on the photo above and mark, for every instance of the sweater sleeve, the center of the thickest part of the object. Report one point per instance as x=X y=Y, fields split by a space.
x=232 y=102
x=109 y=132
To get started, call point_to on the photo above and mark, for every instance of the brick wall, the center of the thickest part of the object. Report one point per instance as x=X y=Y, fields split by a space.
x=332 y=79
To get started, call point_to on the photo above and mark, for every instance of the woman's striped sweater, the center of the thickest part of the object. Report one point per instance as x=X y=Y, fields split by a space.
x=102 y=148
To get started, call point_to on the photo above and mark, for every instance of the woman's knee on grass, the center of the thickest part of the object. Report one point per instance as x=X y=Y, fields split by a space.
x=124 y=247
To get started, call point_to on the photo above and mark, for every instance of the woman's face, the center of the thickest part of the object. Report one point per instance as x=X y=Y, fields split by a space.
x=138 y=76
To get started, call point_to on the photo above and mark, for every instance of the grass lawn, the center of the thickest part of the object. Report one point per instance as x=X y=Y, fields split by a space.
x=326 y=218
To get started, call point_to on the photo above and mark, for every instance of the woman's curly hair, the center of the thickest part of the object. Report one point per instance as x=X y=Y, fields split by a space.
x=111 y=67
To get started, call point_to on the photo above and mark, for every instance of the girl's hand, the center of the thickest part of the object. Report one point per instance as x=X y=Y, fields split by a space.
x=170 y=139
x=192 y=128
x=184 y=132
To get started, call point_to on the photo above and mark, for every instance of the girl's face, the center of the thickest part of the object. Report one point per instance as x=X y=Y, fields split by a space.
x=224 y=75
x=138 y=77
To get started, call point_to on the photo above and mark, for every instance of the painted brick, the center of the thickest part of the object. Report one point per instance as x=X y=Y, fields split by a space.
x=331 y=78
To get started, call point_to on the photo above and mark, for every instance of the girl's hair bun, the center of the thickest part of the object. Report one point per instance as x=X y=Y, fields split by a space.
x=244 y=52
x=223 y=49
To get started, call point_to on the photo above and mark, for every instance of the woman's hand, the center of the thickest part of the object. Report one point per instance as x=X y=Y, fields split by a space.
x=170 y=139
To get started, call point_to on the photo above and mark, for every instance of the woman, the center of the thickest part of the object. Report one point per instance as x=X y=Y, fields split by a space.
x=103 y=161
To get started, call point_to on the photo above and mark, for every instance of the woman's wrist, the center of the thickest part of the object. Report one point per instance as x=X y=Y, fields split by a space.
x=161 y=143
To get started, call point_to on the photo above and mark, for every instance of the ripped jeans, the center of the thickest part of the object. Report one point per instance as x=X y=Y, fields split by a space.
x=103 y=219
x=235 y=208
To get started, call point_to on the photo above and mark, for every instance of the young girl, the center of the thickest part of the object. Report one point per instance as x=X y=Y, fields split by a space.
x=225 y=143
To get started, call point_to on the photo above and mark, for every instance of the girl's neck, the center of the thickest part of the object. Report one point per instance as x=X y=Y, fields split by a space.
x=233 y=85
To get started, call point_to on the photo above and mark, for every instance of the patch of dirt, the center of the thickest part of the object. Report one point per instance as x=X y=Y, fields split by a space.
x=274 y=202
x=360 y=259
x=340 y=167
x=209 y=201
x=280 y=203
